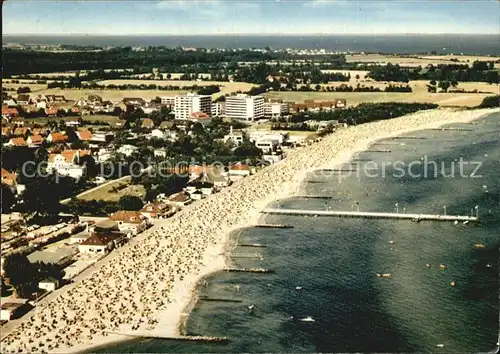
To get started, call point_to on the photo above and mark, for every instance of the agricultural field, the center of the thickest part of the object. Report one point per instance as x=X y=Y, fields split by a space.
x=110 y=95
x=68 y=73
x=353 y=73
x=355 y=98
x=416 y=61
x=35 y=88
x=226 y=87
x=460 y=58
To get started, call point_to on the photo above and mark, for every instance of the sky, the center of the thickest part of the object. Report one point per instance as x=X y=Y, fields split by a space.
x=209 y=17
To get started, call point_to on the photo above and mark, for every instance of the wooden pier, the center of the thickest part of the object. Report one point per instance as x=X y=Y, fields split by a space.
x=274 y=226
x=316 y=197
x=249 y=270
x=335 y=170
x=378 y=150
x=248 y=256
x=203 y=298
x=205 y=339
x=409 y=138
x=455 y=129
x=376 y=215
x=313 y=181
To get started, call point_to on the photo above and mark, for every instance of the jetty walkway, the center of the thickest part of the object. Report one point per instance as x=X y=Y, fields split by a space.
x=368 y=214
x=176 y=338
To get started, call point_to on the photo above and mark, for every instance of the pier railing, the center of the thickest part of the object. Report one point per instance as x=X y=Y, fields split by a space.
x=368 y=214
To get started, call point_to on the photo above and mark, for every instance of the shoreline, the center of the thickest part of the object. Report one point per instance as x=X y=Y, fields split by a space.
x=336 y=162
x=334 y=150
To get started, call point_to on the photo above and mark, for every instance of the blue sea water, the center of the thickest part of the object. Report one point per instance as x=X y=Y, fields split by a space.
x=409 y=43
x=335 y=261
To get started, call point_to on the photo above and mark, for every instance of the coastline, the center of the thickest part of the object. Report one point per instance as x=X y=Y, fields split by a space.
x=334 y=150
x=288 y=192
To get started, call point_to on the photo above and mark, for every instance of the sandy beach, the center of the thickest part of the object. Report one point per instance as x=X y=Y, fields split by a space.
x=148 y=284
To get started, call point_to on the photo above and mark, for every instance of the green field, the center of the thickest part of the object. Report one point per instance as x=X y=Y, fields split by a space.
x=355 y=98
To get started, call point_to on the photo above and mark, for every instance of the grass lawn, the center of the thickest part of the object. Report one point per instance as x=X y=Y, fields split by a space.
x=101 y=118
x=419 y=94
x=105 y=192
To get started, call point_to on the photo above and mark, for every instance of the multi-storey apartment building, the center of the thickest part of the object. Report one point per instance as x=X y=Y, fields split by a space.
x=245 y=107
x=187 y=104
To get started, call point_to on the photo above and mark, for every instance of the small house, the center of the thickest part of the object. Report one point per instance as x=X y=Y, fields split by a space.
x=50 y=284
x=16 y=142
x=147 y=123
x=34 y=140
x=162 y=153
x=11 y=310
x=129 y=220
x=156 y=211
x=179 y=199
x=97 y=243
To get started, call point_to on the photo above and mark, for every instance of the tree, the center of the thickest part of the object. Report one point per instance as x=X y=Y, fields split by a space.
x=444 y=85
x=490 y=102
x=129 y=202
x=357 y=77
x=89 y=162
x=25 y=89
x=47 y=271
x=21 y=274
x=151 y=194
x=42 y=195
x=4 y=290
x=492 y=77
x=247 y=149
x=7 y=197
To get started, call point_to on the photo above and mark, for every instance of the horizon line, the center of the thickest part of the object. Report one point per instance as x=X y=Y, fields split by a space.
x=243 y=34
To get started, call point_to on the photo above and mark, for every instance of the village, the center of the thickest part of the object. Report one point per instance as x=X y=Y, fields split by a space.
x=76 y=146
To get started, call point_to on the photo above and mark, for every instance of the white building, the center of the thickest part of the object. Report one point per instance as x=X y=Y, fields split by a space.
x=245 y=107
x=127 y=150
x=67 y=162
x=259 y=135
x=168 y=101
x=102 y=137
x=97 y=244
x=218 y=109
x=185 y=105
x=235 y=138
x=48 y=284
x=104 y=154
x=275 y=109
x=11 y=310
x=158 y=133
x=160 y=153
x=272 y=158
x=267 y=146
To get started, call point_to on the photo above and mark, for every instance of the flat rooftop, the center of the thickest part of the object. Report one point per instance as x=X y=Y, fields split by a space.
x=53 y=255
x=11 y=305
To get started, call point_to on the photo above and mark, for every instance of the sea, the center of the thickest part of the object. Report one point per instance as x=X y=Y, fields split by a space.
x=325 y=295
x=409 y=43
